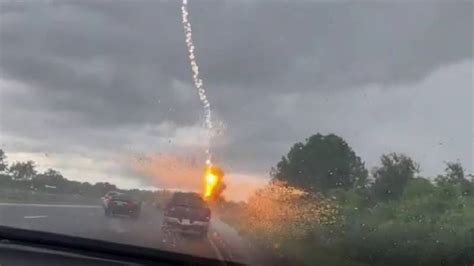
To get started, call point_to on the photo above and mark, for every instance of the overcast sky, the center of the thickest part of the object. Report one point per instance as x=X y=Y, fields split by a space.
x=85 y=84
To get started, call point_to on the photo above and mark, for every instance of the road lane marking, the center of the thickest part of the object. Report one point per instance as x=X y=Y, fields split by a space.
x=35 y=216
x=50 y=205
x=217 y=251
x=229 y=251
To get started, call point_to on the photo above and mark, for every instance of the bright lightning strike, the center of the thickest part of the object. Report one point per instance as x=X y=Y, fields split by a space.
x=211 y=182
x=196 y=79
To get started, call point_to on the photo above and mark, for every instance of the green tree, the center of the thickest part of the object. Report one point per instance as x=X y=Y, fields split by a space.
x=50 y=178
x=392 y=177
x=320 y=164
x=101 y=188
x=455 y=171
x=455 y=176
x=3 y=161
x=23 y=170
x=417 y=187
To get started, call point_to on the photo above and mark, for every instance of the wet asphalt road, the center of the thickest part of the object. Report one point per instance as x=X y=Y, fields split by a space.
x=89 y=221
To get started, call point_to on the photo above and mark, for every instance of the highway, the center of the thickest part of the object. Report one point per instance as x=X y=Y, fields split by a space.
x=89 y=221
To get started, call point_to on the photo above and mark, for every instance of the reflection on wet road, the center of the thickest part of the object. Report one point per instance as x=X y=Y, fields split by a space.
x=89 y=221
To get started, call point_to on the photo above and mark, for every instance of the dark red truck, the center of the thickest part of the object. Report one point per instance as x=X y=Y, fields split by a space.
x=187 y=212
x=121 y=204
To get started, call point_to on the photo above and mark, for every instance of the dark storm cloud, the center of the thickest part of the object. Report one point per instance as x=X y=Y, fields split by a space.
x=104 y=65
x=330 y=44
x=81 y=60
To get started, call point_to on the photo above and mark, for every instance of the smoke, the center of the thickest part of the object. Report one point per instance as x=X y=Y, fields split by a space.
x=179 y=172
x=170 y=171
x=239 y=187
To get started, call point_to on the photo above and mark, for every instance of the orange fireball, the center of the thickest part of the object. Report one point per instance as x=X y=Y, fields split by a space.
x=212 y=182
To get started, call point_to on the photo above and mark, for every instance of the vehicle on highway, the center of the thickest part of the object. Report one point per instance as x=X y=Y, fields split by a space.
x=187 y=213
x=108 y=196
x=122 y=204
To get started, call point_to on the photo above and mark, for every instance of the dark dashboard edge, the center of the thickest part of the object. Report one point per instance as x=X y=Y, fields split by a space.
x=88 y=246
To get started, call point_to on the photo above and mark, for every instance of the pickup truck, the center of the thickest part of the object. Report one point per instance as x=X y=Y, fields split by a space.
x=187 y=213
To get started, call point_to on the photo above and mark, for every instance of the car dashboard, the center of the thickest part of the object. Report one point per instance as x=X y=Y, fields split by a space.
x=26 y=247
x=20 y=255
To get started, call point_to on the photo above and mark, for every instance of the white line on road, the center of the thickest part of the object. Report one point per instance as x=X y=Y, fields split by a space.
x=35 y=216
x=50 y=205
x=217 y=251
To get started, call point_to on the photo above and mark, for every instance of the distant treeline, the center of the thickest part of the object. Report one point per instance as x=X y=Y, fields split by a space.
x=24 y=176
x=348 y=215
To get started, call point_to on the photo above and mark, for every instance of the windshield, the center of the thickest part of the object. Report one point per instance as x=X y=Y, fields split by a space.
x=299 y=132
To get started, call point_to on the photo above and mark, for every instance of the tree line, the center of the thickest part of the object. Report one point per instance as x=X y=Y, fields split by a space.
x=25 y=176
x=390 y=215
x=324 y=163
